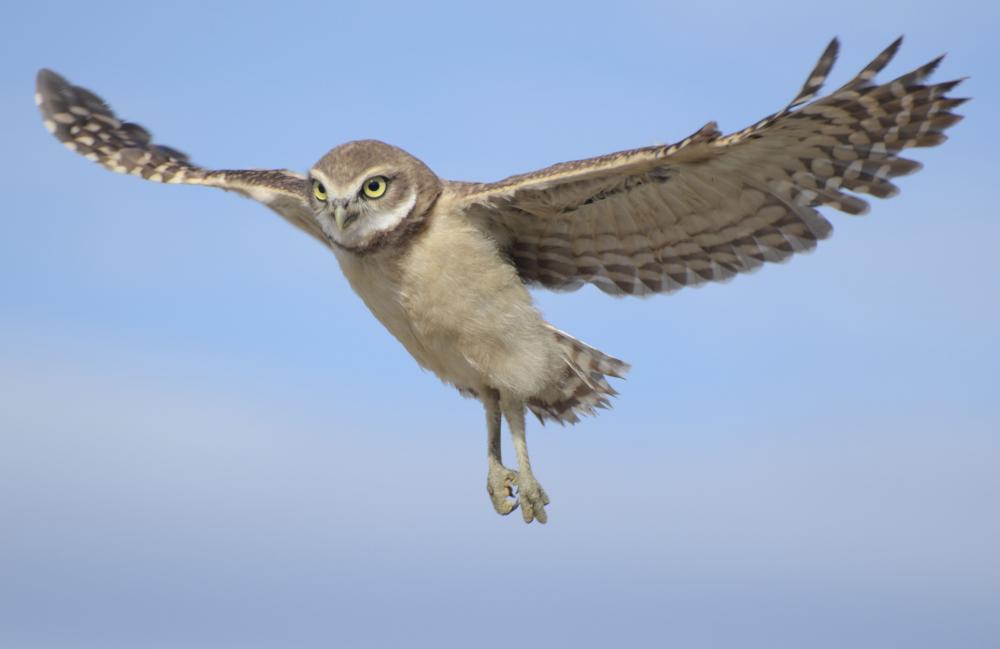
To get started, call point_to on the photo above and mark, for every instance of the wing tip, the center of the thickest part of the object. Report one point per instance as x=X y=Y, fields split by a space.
x=832 y=48
x=48 y=84
x=47 y=76
x=894 y=46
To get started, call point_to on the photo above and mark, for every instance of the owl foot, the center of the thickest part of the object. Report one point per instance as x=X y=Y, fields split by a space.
x=532 y=499
x=500 y=483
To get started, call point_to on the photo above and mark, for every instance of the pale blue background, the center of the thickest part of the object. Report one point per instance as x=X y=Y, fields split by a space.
x=207 y=441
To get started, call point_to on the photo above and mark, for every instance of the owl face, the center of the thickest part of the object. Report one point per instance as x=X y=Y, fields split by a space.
x=366 y=194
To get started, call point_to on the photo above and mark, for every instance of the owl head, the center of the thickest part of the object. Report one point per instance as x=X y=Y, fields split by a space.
x=367 y=195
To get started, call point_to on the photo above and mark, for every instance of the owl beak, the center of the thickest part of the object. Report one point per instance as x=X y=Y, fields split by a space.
x=340 y=216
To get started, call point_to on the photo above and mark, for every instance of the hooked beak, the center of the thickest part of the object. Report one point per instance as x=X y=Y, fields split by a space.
x=341 y=216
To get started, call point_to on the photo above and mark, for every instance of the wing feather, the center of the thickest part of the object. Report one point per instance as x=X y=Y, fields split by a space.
x=85 y=123
x=656 y=219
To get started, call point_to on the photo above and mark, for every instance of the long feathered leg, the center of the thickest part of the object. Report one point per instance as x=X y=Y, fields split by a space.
x=500 y=480
x=530 y=495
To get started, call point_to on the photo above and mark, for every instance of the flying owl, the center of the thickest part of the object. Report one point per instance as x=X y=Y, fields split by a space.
x=445 y=266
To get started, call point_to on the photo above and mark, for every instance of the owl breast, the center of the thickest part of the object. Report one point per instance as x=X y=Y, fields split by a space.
x=459 y=308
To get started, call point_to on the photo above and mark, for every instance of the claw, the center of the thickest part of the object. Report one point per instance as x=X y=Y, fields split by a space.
x=500 y=483
x=529 y=495
x=532 y=499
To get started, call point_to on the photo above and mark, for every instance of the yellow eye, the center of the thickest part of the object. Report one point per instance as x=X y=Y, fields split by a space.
x=375 y=186
x=319 y=191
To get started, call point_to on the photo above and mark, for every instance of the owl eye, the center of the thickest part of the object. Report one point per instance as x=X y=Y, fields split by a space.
x=375 y=186
x=319 y=191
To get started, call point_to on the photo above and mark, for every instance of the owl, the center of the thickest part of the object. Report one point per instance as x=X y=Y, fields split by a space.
x=445 y=266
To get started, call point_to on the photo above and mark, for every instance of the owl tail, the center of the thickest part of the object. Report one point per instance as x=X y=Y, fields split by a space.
x=584 y=387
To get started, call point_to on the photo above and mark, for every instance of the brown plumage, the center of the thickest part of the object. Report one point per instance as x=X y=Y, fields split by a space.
x=444 y=265
x=660 y=218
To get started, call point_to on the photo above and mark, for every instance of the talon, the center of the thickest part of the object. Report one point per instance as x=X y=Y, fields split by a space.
x=500 y=483
x=532 y=499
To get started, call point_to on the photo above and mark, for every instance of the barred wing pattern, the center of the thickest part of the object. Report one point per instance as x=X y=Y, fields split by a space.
x=660 y=218
x=84 y=123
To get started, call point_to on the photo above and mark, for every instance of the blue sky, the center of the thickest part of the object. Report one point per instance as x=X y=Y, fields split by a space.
x=207 y=441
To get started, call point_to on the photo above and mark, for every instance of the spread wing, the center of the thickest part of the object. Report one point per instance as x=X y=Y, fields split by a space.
x=84 y=123
x=660 y=218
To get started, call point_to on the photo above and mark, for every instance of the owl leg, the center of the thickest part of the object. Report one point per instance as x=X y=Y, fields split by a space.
x=530 y=495
x=500 y=480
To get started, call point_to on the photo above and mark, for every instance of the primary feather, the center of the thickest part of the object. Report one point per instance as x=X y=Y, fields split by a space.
x=657 y=219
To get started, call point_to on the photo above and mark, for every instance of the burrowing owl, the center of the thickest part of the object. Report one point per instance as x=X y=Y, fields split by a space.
x=444 y=265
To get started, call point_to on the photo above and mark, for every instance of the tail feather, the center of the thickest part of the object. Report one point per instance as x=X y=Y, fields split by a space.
x=585 y=386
